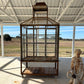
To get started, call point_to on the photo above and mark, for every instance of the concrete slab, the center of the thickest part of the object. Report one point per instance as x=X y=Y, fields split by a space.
x=10 y=72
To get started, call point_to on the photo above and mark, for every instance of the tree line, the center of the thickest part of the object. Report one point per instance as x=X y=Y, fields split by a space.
x=7 y=37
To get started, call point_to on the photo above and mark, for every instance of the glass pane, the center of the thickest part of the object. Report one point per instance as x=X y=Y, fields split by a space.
x=40 y=35
x=29 y=27
x=30 y=48
x=51 y=35
x=30 y=54
x=50 y=54
x=39 y=27
x=23 y=39
x=51 y=48
x=40 y=54
x=39 y=49
x=30 y=35
x=51 y=27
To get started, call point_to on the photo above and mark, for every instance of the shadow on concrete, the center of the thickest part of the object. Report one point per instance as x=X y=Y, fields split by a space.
x=7 y=64
x=4 y=70
x=38 y=80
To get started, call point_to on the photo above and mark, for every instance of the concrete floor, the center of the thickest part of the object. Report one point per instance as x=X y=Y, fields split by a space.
x=10 y=72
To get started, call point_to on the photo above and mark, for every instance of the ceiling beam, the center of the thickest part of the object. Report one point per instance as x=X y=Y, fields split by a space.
x=79 y=14
x=82 y=18
x=30 y=3
x=2 y=3
x=61 y=24
x=6 y=5
x=50 y=15
x=14 y=11
x=61 y=8
x=62 y=5
x=34 y=2
x=7 y=14
x=58 y=9
x=71 y=24
x=48 y=7
x=65 y=10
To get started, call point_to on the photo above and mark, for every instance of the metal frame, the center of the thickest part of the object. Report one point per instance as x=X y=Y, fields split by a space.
x=64 y=10
x=17 y=20
x=35 y=58
x=63 y=5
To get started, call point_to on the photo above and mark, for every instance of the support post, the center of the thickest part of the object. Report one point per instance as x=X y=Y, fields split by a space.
x=2 y=40
x=73 y=41
x=37 y=40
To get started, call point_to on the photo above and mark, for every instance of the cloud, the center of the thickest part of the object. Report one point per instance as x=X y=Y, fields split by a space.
x=79 y=29
x=66 y=30
x=71 y=30
x=13 y=33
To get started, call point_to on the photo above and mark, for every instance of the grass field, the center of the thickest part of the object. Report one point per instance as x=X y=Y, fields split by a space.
x=12 y=48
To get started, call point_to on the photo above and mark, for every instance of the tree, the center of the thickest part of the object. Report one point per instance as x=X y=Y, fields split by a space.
x=60 y=38
x=17 y=36
x=52 y=37
x=7 y=37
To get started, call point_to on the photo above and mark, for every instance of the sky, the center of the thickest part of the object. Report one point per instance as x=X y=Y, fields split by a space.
x=66 y=32
x=13 y=31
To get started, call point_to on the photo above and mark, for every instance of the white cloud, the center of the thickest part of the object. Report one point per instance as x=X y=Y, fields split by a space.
x=66 y=30
x=71 y=30
x=13 y=33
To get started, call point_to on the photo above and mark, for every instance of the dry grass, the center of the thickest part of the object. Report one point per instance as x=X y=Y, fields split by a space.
x=12 y=48
x=66 y=48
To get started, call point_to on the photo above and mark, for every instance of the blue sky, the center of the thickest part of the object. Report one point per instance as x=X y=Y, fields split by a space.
x=13 y=31
x=65 y=31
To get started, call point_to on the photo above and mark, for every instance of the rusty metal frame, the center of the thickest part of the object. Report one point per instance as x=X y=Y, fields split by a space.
x=56 y=43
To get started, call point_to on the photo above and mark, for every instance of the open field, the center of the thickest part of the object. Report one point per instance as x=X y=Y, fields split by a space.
x=66 y=48
x=12 y=48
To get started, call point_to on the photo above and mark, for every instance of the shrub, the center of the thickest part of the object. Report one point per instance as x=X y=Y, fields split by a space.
x=60 y=38
x=17 y=36
x=7 y=37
